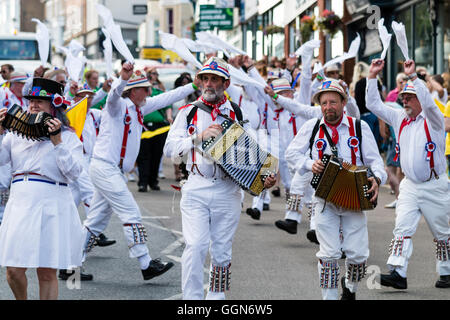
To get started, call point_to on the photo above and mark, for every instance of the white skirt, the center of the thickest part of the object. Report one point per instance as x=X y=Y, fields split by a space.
x=40 y=228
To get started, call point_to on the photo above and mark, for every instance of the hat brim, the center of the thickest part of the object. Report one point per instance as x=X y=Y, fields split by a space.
x=138 y=85
x=318 y=93
x=218 y=73
x=49 y=98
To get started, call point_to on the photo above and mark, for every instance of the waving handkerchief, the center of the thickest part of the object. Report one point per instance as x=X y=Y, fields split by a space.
x=173 y=43
x=240 y=77
x=400 y=35
x=308 y=47
x=385 y=37
x=43 y=39
x=115 y=33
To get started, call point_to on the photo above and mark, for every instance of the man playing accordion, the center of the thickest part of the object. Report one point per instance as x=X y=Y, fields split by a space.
x=335 y=134
x=211 y=202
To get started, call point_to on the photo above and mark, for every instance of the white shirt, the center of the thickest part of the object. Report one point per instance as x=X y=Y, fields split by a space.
x=8 y=99
x=61 y=163
x=89 y=134
x=297 y=154
x=179 y=144
x=109 y=141
x=413 y=138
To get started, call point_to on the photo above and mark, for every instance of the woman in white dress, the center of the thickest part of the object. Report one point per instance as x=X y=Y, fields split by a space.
x=41 y=227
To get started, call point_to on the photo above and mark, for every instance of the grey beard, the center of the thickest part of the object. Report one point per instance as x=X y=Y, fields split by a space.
x=210 y=97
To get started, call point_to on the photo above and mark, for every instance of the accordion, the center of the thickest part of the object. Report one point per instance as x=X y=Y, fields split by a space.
x=30 y=126
x=240 y=157
x=343 y=184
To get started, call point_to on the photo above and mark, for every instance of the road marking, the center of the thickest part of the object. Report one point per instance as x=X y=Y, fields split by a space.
x=156 y=217
x=173 y=246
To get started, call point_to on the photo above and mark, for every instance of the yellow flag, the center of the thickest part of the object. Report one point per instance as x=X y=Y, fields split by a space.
x=77 y=115
x=440 y=105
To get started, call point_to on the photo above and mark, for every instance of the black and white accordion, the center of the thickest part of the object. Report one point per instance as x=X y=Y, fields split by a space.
x=30 y=126
x=343 y=184
x=241 y=157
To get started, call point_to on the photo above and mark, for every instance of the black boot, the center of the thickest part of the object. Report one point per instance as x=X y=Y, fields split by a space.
x=288 y=225
x=311 y=236
x=346 y=293
x=142 y=189
x=66 y=274
x=393 y=280
x=103 y=241
x=156 y=268
x=276 y=192
x=443 y=282
x=266 y=207
x=254 y=213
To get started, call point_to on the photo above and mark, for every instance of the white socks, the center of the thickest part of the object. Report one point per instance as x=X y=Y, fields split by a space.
x=144 y=261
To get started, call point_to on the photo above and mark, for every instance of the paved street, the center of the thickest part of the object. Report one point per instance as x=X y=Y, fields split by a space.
x=268 y=264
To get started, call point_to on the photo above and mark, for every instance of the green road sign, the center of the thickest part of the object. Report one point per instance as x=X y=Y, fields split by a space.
x=212 y=17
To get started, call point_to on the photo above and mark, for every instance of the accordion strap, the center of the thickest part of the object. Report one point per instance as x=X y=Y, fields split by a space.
x=330 y=141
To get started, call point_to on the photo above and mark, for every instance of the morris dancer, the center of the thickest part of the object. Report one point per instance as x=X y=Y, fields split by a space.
x=420 y=134
x=332 y=98
x=210 y=203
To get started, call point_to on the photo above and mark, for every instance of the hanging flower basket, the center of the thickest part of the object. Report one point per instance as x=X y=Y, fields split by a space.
x=307 y=27
x=273 y=29
x=329 y=23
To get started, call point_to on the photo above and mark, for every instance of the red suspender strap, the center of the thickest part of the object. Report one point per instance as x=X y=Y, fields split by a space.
x=430 y=146
x=294 y=124
x=232 y=115
x=194 y=165
x=126 y=129
x=264 y=122
x=240 y=100
x=6 y=102
x=95 y=124
x=353 y=141
x=321 y=143
x=397 y=145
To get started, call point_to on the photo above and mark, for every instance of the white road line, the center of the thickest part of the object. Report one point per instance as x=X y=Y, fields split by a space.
x=173 y=246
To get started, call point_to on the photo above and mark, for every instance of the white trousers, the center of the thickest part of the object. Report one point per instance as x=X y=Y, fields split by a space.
x=300 y=185
x=82 y=189
x=432 y=200
x=112 y=195
x=210 y=215
x=333 y=224
x=259 y=201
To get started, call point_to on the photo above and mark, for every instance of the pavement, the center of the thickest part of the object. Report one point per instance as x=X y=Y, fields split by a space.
x=268 y=264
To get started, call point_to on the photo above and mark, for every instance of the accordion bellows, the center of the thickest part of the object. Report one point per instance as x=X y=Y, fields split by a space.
x=343 y=184
x=30 y=126
x=240 y=156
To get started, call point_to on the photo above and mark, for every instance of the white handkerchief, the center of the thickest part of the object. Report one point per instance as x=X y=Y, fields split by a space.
x=115 y=32
x=307 y=47
x=240 y=77
x=385 y=37
x=400 y=35
x=43 y=39
x=173 y=43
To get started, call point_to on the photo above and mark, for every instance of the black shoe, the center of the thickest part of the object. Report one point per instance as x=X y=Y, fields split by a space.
x=443 y=282
x=142 y=189
x=65 y=275
x=103 y=241
x=276 y=192
x=156 y=268
x=266 y=207
x=346 y=293
x=343 y=255
x=254 y=213
x=155 y=187
x=311 y=236
x=393 y=280
x=290 y=226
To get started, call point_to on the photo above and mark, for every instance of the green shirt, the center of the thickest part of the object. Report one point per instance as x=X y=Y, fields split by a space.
x=158 y=115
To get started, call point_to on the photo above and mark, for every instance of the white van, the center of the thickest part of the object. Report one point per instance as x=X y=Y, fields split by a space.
x=20 y=50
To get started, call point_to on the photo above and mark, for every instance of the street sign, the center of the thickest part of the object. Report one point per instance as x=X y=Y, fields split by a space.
x=140 y=9
x=212 y=17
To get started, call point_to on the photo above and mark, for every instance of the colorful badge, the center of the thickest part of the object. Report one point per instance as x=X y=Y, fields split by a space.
x=353 y=143
x=191 y=129
x=320 y=144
